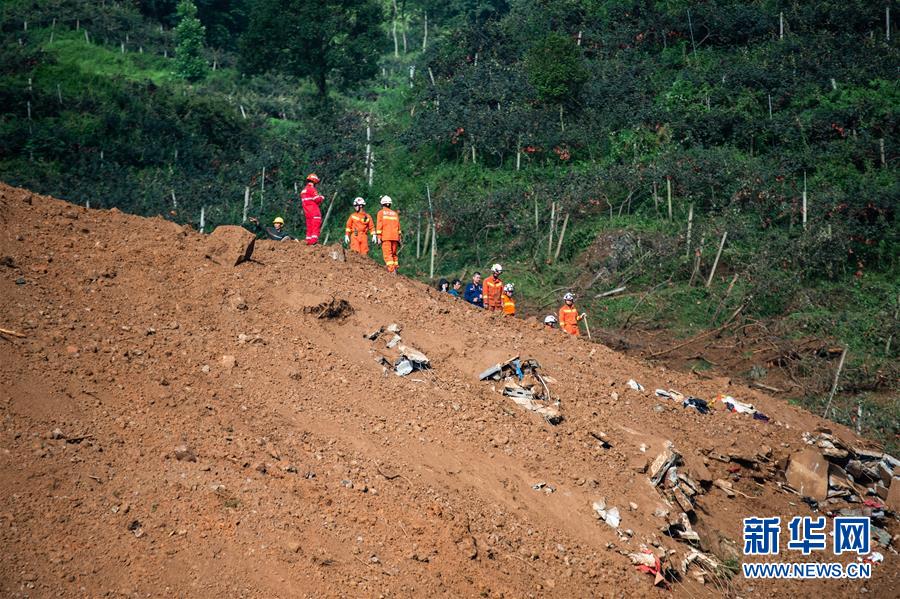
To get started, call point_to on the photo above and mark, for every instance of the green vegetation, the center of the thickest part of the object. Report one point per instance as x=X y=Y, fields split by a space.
x=605 y=108
x=189 y=36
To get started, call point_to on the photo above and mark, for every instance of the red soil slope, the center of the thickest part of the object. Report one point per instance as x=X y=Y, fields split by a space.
x=317 y=472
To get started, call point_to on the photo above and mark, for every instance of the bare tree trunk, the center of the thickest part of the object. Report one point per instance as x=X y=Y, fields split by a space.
x=562 y=236
x=394 y=31
x=689 y=226
x=669 y=195
x=715 y=265
x=552 y=224
x=803 y=208
x=837 y=377
x=425 y=33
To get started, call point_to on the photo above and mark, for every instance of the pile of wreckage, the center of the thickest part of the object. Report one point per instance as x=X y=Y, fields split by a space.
x=832 y=472
x=393 y=355
x=525 y=385
x=679 y=492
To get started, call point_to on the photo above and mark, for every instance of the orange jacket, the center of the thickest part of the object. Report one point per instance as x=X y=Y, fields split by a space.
x=359 y=223
x=568 y=319
x=509 y=305
x=388 y=225
x=492 y=290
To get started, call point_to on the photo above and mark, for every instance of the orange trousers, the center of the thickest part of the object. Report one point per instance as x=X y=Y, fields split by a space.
x=359 y=243
x=389 y=250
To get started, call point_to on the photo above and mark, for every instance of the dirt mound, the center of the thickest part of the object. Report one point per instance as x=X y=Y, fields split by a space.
x=169 y=426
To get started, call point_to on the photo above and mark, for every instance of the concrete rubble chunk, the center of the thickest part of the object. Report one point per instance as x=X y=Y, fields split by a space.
x=610 y=515
x=704 y=560
x=725 y=486
x=892 y=502
x=229 y=245
x=393 y=341
x=808 y=474
x=665 y=460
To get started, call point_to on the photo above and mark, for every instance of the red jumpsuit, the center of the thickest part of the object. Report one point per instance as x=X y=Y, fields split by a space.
x=311 y=198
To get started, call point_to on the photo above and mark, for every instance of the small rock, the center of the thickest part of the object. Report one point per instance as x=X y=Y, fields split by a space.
x=632 y=505
x=183 y=453
x=71 y=349
x=57 y=434
x=293 y=546
x=205 y=369
x=228 y=362
x=20 y=281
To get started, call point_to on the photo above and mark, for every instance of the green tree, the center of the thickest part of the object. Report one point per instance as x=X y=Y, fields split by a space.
x=555 y=68
x=189 y=35
x=337 y=40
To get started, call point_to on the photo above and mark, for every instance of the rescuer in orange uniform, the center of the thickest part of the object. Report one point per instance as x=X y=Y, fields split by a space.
x=509 y=304
x=310 y=198
x=492 y=290
x=569 y=316
x=387 y=234
x=359 y=226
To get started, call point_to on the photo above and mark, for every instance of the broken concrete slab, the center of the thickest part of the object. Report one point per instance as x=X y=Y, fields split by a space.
x=665 y=460
x=892 y=501
x=808 y=473
x=229 y=245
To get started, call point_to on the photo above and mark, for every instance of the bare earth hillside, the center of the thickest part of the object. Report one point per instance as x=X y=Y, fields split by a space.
x=173 y=427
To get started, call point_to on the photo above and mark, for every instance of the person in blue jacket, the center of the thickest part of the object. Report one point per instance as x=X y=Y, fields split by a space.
x=473 y=291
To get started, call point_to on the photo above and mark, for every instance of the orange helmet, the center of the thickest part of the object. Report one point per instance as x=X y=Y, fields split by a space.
x=312 y=177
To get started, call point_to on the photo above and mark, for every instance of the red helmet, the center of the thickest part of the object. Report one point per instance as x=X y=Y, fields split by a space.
x=312 y=177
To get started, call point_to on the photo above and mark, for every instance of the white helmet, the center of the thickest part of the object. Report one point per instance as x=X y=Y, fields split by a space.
x=508 y=288
x=496 y=269
x=549 y=319
x=569 y=296
x=386 y=200
x=359 y=202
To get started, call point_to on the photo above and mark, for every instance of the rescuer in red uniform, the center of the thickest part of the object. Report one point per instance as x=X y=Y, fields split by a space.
x=310 y=198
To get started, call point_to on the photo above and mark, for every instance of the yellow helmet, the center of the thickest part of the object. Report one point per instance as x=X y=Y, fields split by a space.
x=278 y=221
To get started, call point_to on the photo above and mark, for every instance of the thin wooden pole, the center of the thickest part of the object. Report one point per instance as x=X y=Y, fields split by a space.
x=837 y=376
x=712 y=273
x=887 y=23
x=770 y=107
x=562 y=236
x=669 y=195
x=881 y=147
x=697 y=254
x=781 y=25
x=419 y=235
x=368 y=164
x=552 y=224
x=174 y=201
x=433 y=249
x=656 y=197
x=246 y=203
x=425 y=35
x=427 y=239
x=803 y=208
x=689 y=226
x=202 y=218
x=725 y=297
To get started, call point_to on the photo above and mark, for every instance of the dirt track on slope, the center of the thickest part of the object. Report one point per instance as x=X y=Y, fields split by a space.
x=317 y=472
